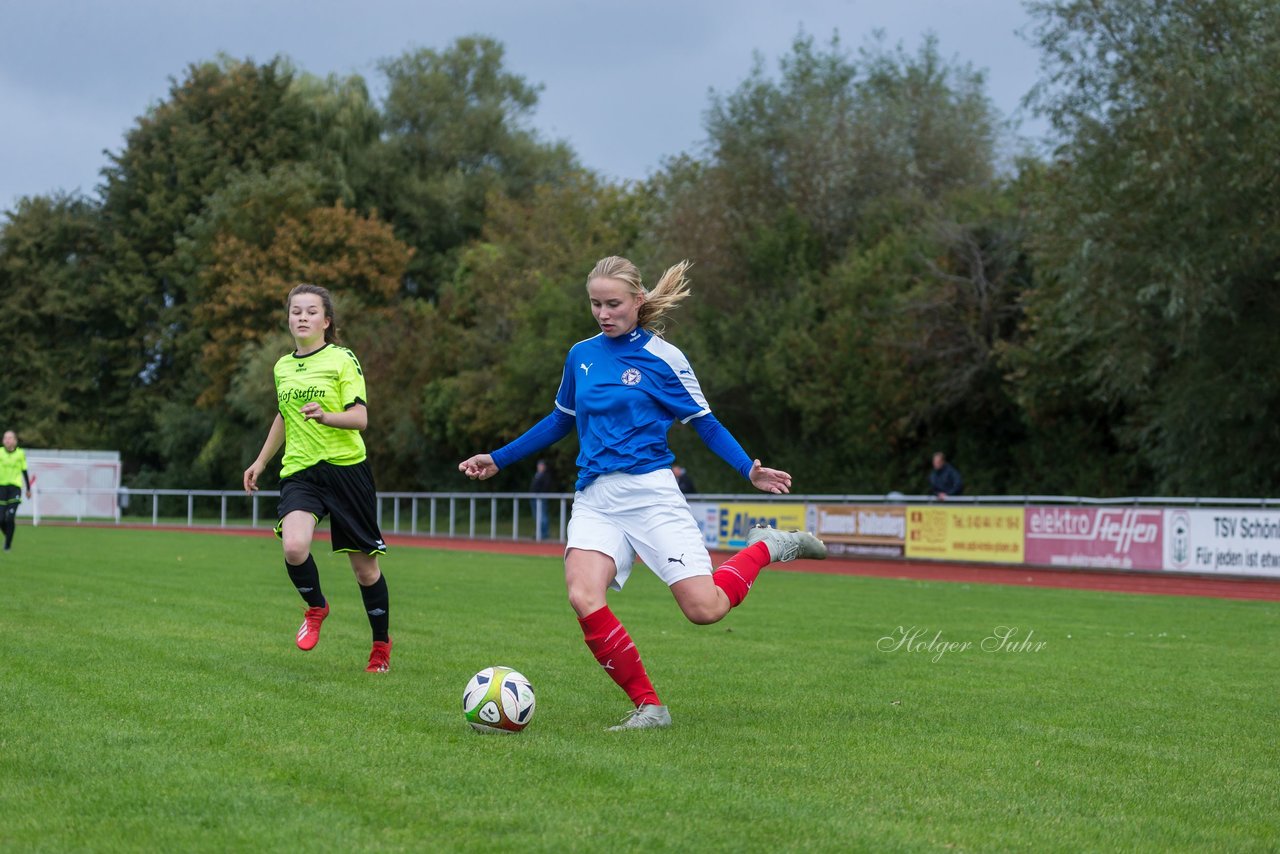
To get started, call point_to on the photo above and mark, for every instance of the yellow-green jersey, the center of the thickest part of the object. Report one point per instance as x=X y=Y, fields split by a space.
x=331 y=376
x=12 y=465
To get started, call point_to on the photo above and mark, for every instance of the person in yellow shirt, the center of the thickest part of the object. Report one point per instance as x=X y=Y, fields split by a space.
x=13 y=478
x=320 y=390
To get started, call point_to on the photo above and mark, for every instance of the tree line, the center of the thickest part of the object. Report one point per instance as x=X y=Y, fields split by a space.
x=879 y=271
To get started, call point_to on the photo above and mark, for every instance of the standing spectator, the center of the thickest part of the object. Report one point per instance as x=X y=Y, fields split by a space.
x=543 y=482
x=13 y=476
x=683 y=480
x=944 y=479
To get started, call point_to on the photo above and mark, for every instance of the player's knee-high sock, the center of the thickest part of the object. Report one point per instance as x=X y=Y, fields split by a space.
x=376 y=605
x=9 y=523
x=306 y=577
x=736 y=575
x=612 y=646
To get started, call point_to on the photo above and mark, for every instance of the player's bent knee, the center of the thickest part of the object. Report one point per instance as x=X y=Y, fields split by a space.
x=367 y=572
x=703 y=613
x=586 y=601
x=700 y=600
x=587 y=576
x=296 y=551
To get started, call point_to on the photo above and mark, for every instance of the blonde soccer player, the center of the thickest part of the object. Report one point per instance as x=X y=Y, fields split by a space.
x=621 y=390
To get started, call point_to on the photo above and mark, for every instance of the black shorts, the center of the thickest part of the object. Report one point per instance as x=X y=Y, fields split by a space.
x=345 y=494
x=10 y=496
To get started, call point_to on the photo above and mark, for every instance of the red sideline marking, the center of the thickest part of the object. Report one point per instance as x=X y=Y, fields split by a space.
x=1165 y=584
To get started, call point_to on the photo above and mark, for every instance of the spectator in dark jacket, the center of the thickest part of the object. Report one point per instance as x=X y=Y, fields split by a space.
x=543 y=481
x=944 y=479
x=683 y=480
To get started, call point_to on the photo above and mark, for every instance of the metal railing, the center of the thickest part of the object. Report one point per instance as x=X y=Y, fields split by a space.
x=413 y=513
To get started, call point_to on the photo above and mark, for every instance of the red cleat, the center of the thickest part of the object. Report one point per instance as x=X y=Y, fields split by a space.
x=309 y=631
x=380 y=658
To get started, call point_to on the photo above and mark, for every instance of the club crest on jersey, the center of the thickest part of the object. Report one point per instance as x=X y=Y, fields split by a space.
x=631 y=376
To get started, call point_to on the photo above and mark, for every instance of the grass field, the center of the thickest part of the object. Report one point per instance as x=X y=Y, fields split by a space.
x=151 y=698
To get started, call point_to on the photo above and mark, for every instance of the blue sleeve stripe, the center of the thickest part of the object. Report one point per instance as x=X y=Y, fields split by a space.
x=566 y=410
x=695 y=415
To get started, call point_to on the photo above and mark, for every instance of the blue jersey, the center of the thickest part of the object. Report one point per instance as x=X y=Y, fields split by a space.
x=623 y=394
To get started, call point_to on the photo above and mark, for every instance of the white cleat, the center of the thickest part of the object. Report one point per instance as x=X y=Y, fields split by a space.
x=787 y=545
x=645 y=716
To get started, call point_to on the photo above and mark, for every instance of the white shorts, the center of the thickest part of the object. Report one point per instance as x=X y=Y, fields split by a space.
x=645 y=515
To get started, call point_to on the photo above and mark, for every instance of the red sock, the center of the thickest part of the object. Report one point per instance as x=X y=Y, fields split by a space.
x=736 y=575
x=612 y=646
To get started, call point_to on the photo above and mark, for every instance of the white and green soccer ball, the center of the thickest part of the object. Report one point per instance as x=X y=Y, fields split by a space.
x=498 y=700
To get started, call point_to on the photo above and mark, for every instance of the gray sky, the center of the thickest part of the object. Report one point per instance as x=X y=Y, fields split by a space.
x=626 y=83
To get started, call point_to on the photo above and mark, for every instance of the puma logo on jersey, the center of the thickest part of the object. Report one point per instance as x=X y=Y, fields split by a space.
x=586 y=369
x=679 y=560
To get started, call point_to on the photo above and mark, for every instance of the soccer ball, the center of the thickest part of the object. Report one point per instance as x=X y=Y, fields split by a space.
x=498 y=699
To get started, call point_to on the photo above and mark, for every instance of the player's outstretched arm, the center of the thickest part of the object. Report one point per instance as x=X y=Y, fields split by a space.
x=479 y=467
x=769 y=480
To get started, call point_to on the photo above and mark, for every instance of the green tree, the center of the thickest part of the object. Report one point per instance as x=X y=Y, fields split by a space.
x=837 y=213
x=455 y=134
x=358 y=258
x=509 y=316
x=840 y=145
x=233 y=143
x=224 y=117
x=1157 y=234
x=68 y=323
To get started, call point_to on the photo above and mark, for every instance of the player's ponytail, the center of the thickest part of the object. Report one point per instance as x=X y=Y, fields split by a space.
x=671 y=289
x=331 y=331
x=666 y=295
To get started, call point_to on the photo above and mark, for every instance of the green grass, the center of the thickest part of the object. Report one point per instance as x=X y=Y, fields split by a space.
x=151 y=698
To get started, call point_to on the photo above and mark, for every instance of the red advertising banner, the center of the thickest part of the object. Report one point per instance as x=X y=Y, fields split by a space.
x=1088 y=537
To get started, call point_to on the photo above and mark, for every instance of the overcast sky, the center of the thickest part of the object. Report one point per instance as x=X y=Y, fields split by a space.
x=626 y=83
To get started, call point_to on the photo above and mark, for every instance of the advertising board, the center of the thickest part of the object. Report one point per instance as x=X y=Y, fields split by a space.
x=965 y=532
x=735 y=520
x=860 y=529
x=1095 y=537
x=1230 y=542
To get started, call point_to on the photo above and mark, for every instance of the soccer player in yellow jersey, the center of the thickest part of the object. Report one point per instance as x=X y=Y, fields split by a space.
x=13 y=477
x=321 y=393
